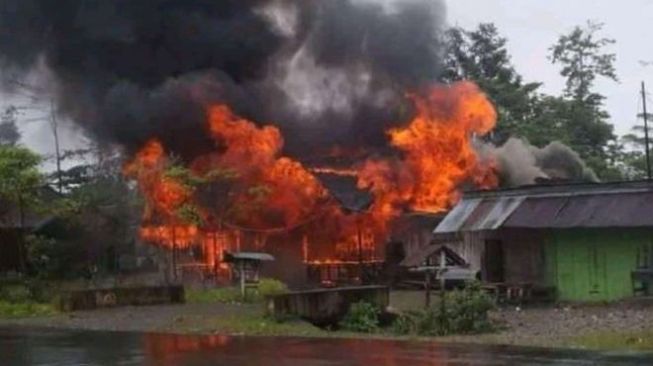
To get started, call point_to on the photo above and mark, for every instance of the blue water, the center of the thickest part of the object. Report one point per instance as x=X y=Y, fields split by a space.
x=22 y=347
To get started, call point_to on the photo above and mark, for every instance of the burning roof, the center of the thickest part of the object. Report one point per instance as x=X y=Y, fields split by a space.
x=219 y=104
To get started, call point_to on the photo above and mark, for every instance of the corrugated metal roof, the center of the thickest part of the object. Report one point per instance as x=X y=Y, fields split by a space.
x=456 y=217
x=479 y=214
x=491 y=213
x=586 y=211
x=614 y=205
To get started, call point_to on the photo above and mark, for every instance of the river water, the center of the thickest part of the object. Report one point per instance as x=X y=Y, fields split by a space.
x=22 y=347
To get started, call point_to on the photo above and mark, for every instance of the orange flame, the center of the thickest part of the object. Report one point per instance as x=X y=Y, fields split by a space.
x=438 y=152
x=436 y=156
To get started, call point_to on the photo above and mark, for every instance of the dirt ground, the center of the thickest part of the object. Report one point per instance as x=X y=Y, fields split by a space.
x=550 y=326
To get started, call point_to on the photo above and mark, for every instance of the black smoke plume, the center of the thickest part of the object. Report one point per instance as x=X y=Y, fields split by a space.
x=326 y=72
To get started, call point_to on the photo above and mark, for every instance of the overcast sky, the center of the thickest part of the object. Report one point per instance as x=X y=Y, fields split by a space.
x=531 y=27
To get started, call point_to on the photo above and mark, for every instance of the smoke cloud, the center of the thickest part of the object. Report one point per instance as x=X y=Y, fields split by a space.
x=326 y=72
x=521 y=163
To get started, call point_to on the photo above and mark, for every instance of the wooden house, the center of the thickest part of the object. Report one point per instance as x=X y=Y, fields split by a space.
x=588 y=242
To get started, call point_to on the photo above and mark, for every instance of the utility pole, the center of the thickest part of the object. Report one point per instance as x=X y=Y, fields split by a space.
x=54 y=124
x=645 y=115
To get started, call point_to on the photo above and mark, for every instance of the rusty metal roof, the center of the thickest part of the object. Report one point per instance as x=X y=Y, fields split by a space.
x=602 y=210
x=626 y=204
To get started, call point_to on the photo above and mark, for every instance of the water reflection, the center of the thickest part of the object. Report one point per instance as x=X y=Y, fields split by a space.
x=22 y=347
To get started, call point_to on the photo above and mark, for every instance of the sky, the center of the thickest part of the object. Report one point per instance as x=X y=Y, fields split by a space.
x=531 y=27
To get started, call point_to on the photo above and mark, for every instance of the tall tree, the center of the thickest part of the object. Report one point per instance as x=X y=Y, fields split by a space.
x=633 y=154
x=20 y=185
x=582 y=57
x=9 y=134
x=481 y=55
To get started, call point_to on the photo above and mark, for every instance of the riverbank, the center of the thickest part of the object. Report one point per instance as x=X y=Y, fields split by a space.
x=621 y=326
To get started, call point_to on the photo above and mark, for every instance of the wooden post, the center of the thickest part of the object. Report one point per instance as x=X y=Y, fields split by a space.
x=359 y=237
x=427 y=299
x=174 y=253
x=443 y=265
x=443 y=282
x=242 y=279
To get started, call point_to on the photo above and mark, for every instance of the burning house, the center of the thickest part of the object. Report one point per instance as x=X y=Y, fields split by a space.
x=246 y=196
x=588 y=241
x=229 y=113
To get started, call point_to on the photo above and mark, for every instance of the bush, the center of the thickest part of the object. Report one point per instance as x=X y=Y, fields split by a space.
x=362 y=317
x=271 y=287
x=407 y=323
x=464 y=311
x=467 y=310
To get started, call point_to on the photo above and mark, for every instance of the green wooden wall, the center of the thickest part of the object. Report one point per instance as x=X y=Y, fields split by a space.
x=595 y=264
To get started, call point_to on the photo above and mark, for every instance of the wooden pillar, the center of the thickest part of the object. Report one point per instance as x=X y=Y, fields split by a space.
x=242 y=279
x=427 y=284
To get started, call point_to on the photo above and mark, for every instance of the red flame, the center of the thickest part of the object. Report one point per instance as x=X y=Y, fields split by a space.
x=269 y=192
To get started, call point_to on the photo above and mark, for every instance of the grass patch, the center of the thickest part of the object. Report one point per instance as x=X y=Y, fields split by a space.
x=230 y=295
x=225 y=295
x=24 y=310
x=611 y=340
x=21 y=299
x=263 y=326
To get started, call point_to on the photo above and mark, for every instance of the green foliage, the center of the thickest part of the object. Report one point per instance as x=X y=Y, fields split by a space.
x=19 y=175
x=582 y=59
x=577 y=118
x=183 y=175
x=9 y=134
x=266 y=287
x=580 y=53
x=23 y=310
x=218 y=174
x=481 y=55
x=271 y=287
x=408 y=322
x=52 y=259
x=24 y=299
x=361 y=317
x=189 y=213
x=467 y=310
x=463 y=311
